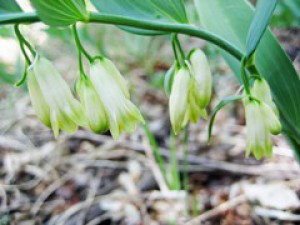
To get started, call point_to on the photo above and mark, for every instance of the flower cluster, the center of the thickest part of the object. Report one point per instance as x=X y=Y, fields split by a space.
x=262 y=120
x=104 y=99
x=191 y=91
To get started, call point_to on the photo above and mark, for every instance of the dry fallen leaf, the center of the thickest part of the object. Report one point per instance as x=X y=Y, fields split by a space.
x=277 y=196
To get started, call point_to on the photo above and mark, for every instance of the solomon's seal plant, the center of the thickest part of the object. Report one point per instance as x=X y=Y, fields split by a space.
x=270 y=82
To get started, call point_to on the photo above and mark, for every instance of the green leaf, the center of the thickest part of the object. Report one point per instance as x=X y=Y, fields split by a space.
x=295 y=144
x=61 y=12
x=9 y=9
x=222 y=103
x=231 y=20
x=262 y=17
x=154 y=10
x=9 y=6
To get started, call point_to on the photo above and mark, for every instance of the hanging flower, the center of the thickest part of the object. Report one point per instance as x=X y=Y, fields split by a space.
x=184 y=100
x=261 y=122
x=202 y=74
x=52 y=99
x=112 y=89
x=178 y=103
x=93 y=106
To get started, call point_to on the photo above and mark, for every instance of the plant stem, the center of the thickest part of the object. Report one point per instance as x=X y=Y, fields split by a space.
x=180 y=57
x=174 y=170
x=245 y=78
x=21 y=43
x=186 y=29
x=185 y=160
x=186 y=181
x=156 y=152
x=177 y=60
x=80 y=51
x=179 y=47
x=23 y=40
x=79 y=45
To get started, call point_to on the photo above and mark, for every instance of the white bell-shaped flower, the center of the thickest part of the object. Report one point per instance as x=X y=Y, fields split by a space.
x=258 y=134
x=113 y=91
x=93 y=106
x=52 y=98
x=200 y=70
x=178 y=103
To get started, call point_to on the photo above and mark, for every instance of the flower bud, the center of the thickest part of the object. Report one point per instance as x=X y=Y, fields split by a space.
x=261 y=90
x=178 y=103
x=112 y=90
x=258 y=134
x=201 y=72
x=93 y=106
x=52 y=98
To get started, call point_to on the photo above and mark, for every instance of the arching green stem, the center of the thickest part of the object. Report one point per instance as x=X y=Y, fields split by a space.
x=186 y=29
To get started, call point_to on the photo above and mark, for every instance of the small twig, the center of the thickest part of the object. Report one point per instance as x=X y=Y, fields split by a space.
x=155 y=168
x=42 y=198
x=276 y=214
x=218 y=210
x=99 y=219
